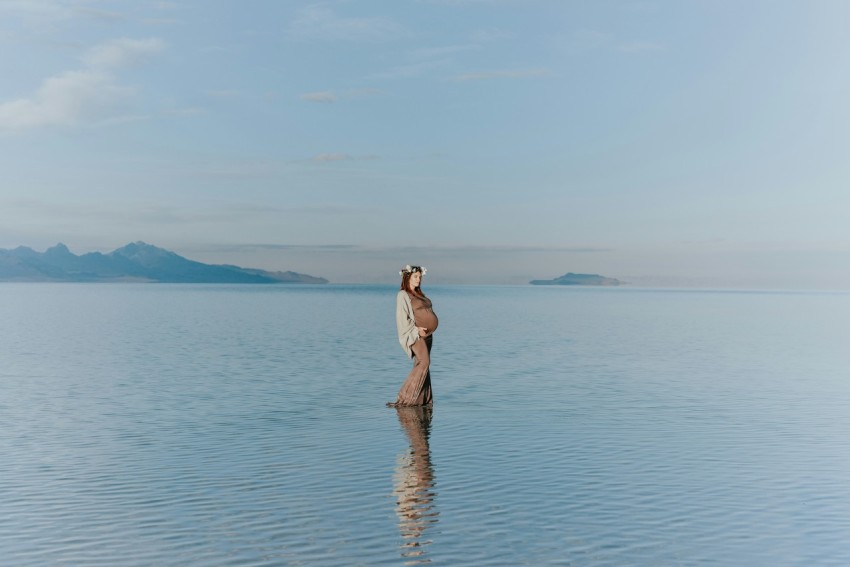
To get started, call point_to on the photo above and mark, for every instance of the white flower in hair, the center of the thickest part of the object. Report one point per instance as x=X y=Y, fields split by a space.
x=408 y=269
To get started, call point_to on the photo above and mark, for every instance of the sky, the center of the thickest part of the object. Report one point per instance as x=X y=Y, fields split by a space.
x=666 y=143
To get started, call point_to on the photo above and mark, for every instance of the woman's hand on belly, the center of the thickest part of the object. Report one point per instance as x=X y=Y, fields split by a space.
x=422 y=331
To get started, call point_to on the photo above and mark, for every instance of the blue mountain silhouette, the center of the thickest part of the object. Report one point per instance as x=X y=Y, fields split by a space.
x=136 y=261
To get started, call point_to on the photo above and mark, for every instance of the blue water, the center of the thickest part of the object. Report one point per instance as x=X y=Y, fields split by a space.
x=245 y=425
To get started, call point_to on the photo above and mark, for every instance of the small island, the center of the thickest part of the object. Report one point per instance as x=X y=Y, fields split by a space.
x=135 y=262
x=579 y=279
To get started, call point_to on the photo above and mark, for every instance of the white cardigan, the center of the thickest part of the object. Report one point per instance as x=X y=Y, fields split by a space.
x=406 y=325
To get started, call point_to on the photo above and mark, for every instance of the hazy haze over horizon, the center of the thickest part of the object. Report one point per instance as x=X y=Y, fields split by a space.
x=494 y=141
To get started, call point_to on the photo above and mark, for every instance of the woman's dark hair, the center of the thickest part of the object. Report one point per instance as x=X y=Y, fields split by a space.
x=405 y=281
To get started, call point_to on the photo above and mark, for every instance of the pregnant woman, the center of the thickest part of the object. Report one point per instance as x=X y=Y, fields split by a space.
x=416 y=323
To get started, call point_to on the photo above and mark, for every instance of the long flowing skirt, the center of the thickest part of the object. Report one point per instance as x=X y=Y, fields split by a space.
x=416 y=390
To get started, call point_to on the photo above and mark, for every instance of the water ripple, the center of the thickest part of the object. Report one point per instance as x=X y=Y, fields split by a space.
x=239 y=425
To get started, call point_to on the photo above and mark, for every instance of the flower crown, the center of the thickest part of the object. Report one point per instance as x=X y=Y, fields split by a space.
x=408 y=269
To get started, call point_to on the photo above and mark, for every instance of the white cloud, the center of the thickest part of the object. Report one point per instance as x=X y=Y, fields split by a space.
x=122 y=52
x=34 y=9
x=42 y=11
x=323 y=97
x=102 y=15
x=503 y=74
x=319 y=22
x=63 y=100
x=90 y=94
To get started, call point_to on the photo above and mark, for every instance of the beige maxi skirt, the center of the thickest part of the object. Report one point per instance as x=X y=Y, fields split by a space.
x=416 y=389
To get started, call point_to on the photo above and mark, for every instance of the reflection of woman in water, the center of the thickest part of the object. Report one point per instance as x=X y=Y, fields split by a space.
x=414 y=484
x=416 y=323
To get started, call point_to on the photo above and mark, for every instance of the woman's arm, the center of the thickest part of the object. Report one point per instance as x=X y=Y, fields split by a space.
x=407 y=330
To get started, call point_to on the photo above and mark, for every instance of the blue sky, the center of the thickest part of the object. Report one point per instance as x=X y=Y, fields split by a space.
x=663 y=142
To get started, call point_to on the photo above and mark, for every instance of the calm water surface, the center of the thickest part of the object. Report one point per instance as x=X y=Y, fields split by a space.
x=245 y=425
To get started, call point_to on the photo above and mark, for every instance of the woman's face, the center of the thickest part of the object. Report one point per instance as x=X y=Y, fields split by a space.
x=415 y=279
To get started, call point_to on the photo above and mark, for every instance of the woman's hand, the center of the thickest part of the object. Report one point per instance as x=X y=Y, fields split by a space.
x=422 y=331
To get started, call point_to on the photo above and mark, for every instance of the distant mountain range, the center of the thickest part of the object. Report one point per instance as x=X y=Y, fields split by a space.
x=135 y=262
x=578 y=279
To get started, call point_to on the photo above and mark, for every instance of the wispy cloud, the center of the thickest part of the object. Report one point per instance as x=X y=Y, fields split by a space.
x=140 y=213
x=102 y=15
x=90 y=94
x=43 y=11
x=61 y=100
x=325 y=97
x=123 y=52
x=320 y=22
x=30 y=9
x=252 y=247
x=503 y=74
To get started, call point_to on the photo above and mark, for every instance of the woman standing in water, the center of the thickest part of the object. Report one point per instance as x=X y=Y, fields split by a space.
x=416 y=323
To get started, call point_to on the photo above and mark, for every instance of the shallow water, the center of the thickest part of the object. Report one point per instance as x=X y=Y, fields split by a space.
x=245 y=425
